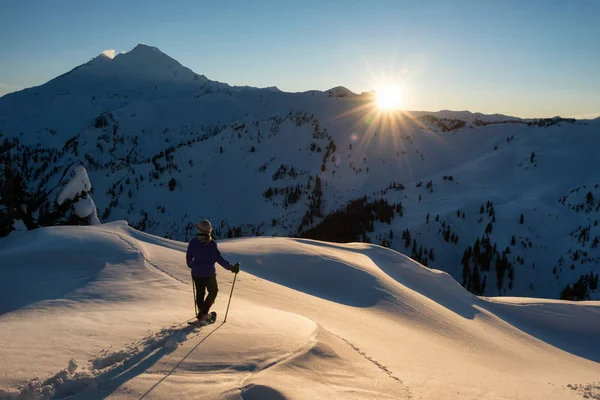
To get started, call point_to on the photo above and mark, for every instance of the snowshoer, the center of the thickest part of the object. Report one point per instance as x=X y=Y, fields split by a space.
x=201 y=256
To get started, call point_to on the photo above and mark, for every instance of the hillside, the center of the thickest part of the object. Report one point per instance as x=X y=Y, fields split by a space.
x=105 y=317
x=505 y=206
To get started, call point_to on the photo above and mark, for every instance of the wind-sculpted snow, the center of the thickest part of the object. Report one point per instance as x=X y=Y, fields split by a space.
x=51 y=264
x=572 y=327
x=97 y=312
x=325 y=276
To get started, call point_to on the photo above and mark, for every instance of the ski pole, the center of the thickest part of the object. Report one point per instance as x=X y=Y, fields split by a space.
x=195 y=303
x=230 y=294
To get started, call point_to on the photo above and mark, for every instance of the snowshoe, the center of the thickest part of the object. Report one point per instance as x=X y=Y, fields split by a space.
x=212 y=317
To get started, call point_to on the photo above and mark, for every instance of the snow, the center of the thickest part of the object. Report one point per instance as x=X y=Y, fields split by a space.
x=110 y=53
x=340 y=91
x=101 y=311
x=84 y=207
x=80 y=182
x=19 y=225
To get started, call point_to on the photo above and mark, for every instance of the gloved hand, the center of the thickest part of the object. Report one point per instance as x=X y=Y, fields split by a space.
x=235 y=268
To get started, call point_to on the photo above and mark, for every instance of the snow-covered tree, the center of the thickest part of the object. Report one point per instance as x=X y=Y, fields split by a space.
x=14 y=200
x=77 y=194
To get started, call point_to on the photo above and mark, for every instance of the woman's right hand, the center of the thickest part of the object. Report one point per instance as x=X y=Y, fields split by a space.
x=235 y=268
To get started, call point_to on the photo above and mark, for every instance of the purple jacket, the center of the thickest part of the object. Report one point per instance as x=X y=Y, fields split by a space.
x=201 y=258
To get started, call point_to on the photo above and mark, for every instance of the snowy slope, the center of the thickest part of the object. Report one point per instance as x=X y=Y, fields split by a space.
x=165 y=147
x=105 y=312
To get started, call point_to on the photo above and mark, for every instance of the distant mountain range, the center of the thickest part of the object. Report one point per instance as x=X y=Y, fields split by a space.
x=506 y=205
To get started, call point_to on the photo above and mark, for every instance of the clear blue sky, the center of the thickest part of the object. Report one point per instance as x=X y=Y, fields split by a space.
x=524 y=58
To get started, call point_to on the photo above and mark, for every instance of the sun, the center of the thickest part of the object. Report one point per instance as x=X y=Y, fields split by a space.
x=389 y=97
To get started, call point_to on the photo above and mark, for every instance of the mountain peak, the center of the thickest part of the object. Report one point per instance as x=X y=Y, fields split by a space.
x=103 y=56
x=143 y=63
x=144 y=53
x=141 y=47
x=138 y=50
x=111 y=53
x=340 y=91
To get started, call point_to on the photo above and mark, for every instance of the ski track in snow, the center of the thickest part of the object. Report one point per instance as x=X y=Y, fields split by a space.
x=107 y=371
x=368 y=358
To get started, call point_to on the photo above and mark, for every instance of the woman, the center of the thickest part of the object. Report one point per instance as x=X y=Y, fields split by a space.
x=202 y=254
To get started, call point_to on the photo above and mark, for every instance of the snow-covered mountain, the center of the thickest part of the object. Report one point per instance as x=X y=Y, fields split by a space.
x=100 y=312
x=506 y=206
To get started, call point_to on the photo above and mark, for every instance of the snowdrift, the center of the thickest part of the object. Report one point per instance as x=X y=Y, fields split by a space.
x=92 y=312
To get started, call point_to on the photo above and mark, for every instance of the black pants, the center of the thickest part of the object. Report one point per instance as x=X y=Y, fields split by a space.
x=206 y=284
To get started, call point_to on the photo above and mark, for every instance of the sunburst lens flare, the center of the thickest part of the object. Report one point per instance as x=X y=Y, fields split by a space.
x=389 y=98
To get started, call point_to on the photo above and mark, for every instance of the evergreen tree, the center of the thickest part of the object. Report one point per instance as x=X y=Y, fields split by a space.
x=406 y=238
x=590 y=198
x=488 y=228
x=475 y=281
x=466 y=272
